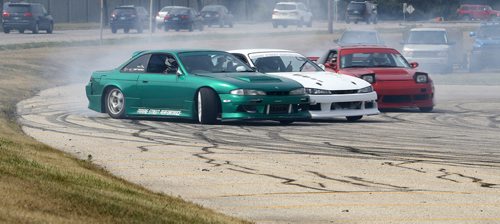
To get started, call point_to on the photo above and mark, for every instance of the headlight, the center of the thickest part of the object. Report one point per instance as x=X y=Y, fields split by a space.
x=312 y=91
x=370 y=78
x=442 y=54
x=421 y=77
x=299 y=91
x=367 y=89
x=247 y=92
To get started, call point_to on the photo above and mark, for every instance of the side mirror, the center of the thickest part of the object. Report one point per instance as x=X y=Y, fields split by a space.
x=254 y=69
x=472 y=34
x=179 y=72
x=330 y=66
x=414 y=64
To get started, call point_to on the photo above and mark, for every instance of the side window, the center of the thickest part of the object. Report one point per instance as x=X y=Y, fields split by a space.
x=162 y=63
x=44 y=11
x=242 y=58
x=138 y=65
x=332 y=57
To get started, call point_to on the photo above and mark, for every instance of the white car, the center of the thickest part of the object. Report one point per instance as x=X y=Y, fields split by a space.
x=160 y=17
x=331 y=94
x=286 y=13
x=430 y=47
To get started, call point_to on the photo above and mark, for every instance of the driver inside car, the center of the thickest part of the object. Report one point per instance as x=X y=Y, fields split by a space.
x=172 y=65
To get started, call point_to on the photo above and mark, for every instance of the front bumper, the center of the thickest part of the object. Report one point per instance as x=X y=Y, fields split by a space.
x=264 y=107
x=330 y=106
x=406 y=93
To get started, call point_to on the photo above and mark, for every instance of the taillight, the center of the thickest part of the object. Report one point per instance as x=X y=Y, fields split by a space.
x=5 y=14
x=28 y=14
x=167 y=17
x=184 y=17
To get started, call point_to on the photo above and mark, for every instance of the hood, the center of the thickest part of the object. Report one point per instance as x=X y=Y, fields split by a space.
x=426 y=47
x=254 y=80
x=325 y=80
x=388 y=74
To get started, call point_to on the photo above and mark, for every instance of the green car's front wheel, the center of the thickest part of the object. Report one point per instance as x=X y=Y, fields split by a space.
x=115 y=103
x=207 y=106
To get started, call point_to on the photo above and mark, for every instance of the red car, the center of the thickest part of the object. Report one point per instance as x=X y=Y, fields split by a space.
x=398 y=83
x=476 y=12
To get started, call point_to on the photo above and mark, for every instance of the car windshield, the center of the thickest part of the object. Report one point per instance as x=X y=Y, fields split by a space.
x=373 y=59
x=427 y=37
x=179 y=11
x=212 y=62
x=211 y=8
x=356 y=6
x=359 y=37
x=285 y=7
x=127 y=11
x=489 y=31
x=283 y=62
x=18 y=8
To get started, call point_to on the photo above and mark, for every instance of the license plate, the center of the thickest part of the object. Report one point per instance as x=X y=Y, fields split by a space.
x=356 y=11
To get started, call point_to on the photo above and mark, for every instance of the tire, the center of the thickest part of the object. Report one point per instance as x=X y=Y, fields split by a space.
x=51 y=28
x=166 y=28
x=201 y=27
x=115 y=103
x=113 y=29
x=35 y=28
x=355 y=21
x=21 y=31
x=221 y=24
x=126 y=30
x=207 y=106
x=6 y=30
x=347 y=20
x=353 y=118
x=190 y=28
x=426 y=109
x=286 y=122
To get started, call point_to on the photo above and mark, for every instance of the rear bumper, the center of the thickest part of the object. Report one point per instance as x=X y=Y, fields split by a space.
x=177 y=25
x=24 y=24
x=400 y=94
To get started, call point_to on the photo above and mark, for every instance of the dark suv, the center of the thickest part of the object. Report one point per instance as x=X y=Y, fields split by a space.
x=361 y=11
x=26 y=16
x=183 y=18
x=129 y=17
x=217 y=15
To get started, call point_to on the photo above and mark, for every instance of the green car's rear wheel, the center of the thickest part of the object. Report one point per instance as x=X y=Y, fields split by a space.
x=115 y=103
x=207 y=106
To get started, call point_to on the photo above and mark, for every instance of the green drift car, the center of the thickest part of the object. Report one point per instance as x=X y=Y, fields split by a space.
x=206 y=86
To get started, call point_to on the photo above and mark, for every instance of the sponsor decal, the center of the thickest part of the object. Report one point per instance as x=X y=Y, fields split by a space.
x=159 y=112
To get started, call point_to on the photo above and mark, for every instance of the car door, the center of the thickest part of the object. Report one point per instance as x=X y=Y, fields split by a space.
x=161 y=88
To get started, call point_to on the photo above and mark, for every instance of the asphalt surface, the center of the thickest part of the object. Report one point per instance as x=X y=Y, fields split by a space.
x=398 y=167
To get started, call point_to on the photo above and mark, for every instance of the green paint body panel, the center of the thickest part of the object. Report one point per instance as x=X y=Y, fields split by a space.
x=173 y=95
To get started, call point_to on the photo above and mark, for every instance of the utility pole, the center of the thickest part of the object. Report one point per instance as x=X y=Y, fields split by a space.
x=151 y=17
x=102 y=20
x=330 y=16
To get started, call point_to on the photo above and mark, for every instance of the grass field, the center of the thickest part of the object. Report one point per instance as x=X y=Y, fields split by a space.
x=39 y=184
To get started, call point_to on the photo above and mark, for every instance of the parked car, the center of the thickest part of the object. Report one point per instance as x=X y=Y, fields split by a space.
x=486 y=48
x=431 y=48
x=217 y=15
x=160 y=17
x=26 y=16
x=361 y=11
x=183 y=18
x=203 y=85
x=398 y=83
x=352 y=37
x=129 y=17
x=291 y=13
x=476 y=12
x=331 y=95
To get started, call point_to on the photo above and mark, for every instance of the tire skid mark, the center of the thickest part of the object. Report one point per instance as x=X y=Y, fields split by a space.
x=352 y=149
x=481 y=183
x=400 y=165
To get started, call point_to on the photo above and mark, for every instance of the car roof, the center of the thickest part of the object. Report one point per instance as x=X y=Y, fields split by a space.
x=176 y=51
x=361 y=30
x=258 y=50
x=428 y=29
x=288 y=3
x=364 y=47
